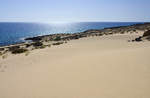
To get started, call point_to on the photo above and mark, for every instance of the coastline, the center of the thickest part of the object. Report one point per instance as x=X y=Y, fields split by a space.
x=40 y=42
x=105 y=66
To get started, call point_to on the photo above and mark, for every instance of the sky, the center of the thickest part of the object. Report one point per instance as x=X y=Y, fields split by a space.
x=74 y=11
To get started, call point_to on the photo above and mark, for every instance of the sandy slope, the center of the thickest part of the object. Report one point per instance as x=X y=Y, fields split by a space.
x=98 y=67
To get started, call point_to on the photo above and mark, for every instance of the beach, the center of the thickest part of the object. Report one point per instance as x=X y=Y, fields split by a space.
x=107 y=66
x=74 y=49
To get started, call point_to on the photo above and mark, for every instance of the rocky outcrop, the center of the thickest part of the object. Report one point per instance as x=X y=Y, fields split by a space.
x=93 y=32
x=146 y=36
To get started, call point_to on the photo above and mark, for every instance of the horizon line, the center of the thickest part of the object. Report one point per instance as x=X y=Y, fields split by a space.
x=70 y=21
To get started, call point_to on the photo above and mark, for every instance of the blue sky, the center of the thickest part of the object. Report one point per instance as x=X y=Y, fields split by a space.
x=74 y=10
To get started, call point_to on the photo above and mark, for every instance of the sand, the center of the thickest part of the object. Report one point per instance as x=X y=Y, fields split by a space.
x=94 y=67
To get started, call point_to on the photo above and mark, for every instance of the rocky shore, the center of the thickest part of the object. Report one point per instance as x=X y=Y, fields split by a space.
x=41 y=42
x=106 y=31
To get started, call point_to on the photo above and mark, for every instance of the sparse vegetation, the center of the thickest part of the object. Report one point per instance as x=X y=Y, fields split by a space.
x=27 y=53
x=1 y=53
x=18 y=51
x=12 y=48
x=42 y=47
x=48 y=45
x=37 y=44
x=58 y=43
x=28 y=45
x=58 y=38
x=4 y=56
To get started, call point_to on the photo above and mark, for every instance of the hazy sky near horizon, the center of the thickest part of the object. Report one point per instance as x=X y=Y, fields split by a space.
x=74 y=10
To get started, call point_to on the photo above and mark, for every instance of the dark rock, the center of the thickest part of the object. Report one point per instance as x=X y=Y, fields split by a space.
x=38 y=38
x=138 y=39
x=2 y=49
x=147 y=33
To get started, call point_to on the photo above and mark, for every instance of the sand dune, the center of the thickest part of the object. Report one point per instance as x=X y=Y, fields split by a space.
x=95 y=67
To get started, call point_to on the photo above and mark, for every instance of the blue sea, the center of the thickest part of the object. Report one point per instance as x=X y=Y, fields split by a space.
x=12 y=33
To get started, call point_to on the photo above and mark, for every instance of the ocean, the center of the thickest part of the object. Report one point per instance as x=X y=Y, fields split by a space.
x=12 y=33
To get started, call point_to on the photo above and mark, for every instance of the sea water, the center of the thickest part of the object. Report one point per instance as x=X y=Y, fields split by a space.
x=12 y=33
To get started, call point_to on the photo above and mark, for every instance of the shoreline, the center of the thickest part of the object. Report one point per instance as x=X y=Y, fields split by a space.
x=91 y=67
x=61 y=34
x=40 y=42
